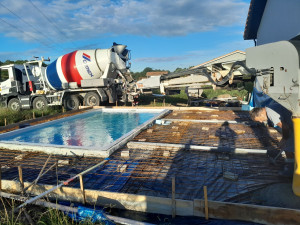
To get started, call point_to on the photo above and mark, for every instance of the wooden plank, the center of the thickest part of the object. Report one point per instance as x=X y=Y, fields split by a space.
x=246 y=212
x=82 y=189
x=139 y=203
x=167 y=146
x=205 y=202
x=21 y=179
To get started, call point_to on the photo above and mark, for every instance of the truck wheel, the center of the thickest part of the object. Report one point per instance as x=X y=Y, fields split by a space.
x=196 y=104
x=91 y=99
x=14 y=104
x=71 y=102
x=39 y=103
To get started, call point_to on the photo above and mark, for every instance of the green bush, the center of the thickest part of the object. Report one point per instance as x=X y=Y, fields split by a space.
x=210 y=93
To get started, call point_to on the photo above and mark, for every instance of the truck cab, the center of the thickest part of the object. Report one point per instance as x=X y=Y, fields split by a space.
x=17 y=86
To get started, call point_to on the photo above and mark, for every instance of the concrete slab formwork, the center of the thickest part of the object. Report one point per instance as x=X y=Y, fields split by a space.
x=140 y=178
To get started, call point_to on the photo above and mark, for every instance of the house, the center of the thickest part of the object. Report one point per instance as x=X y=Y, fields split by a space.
x=224 y=59
x=156 y=73
x=272 y=20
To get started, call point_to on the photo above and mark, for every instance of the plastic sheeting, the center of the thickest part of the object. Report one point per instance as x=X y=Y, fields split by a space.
x=113 y=176
x=193 y=170
x=90 y=215
x=258 y=98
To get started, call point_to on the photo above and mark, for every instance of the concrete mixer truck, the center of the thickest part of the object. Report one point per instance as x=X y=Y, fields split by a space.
x=83 y=77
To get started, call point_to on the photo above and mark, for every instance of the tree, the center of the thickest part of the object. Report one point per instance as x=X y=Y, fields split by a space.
x=3 y=73
x=178 y=69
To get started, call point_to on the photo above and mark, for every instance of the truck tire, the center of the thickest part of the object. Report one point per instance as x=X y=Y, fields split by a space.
x=71 y=102
x=196 y=104
x=91 y=99
x=40 y=103
x=14 y=104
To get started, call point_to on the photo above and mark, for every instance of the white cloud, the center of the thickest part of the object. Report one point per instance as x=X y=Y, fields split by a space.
x=21 y=55
x=81 y=19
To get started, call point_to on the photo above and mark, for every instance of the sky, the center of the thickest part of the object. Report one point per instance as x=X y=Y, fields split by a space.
x=161 y=34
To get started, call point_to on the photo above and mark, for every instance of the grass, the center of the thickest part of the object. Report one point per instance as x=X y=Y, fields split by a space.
x=7 y=216
x=170 y=100
x=179 y=99
x=210 y=93
x=39 y=215
x=14 y=117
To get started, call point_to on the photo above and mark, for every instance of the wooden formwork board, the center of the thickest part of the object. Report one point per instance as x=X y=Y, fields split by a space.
x=246 y=212
x=150 y=204
x=166 y=146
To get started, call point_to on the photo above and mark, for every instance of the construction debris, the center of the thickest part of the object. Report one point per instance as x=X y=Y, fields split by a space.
x=125 y=153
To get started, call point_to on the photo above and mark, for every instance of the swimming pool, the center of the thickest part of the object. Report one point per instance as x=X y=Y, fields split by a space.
x=90 y=133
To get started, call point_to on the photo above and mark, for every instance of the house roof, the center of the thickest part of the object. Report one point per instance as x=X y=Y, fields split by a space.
x=255 y=13
x=156 y=73
x=220 y=57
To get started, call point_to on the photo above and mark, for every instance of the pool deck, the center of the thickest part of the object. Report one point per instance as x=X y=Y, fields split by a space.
x=173 y=159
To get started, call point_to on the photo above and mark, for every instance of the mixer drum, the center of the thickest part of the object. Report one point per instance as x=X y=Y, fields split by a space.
x=73 y=67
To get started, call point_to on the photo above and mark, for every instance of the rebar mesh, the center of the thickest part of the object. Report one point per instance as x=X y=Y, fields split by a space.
x=213 y=134
x=229 y=177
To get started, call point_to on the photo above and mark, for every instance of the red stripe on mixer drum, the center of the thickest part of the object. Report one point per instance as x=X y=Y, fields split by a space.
x=69 y=68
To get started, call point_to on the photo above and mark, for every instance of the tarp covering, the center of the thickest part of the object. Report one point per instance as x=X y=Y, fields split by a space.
x=258 y=98
x=90 y=215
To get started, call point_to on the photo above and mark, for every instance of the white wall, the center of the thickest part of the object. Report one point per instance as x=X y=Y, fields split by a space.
x=280 y=21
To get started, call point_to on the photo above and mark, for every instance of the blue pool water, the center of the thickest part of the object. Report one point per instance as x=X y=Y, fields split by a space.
x=94 y=129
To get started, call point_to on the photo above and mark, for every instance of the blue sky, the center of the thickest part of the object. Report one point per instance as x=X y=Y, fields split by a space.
x=161 y=34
